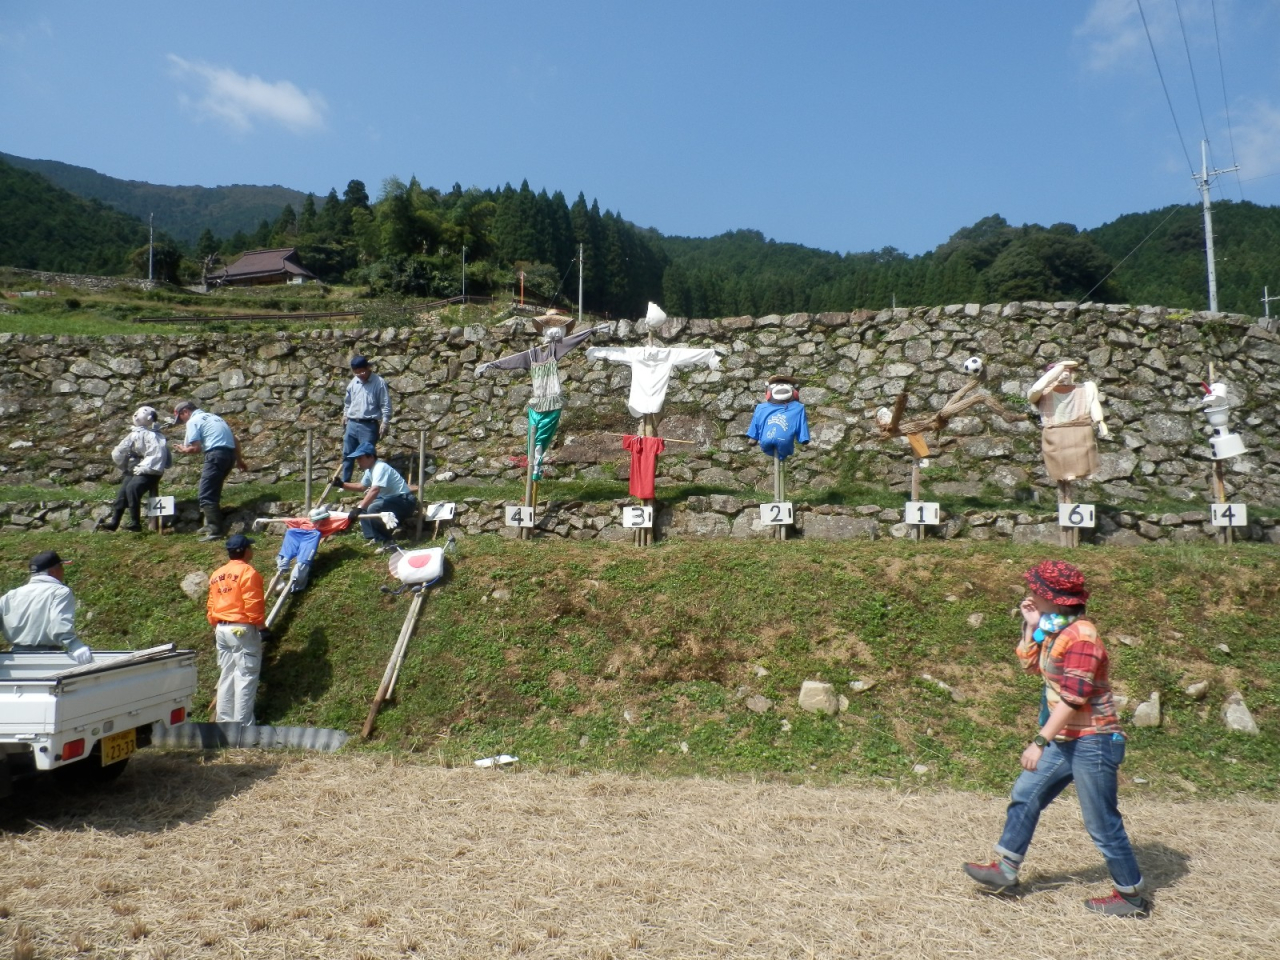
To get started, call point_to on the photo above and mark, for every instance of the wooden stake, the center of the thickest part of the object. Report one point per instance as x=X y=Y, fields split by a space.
x=526 y=533
x=422 y=479
x=393 y=665
x=917 y=529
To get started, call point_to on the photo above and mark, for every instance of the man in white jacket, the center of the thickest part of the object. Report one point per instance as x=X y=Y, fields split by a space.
x=40 y=614
x=143 y=456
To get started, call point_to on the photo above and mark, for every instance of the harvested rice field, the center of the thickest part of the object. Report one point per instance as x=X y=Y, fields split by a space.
x=274 y=856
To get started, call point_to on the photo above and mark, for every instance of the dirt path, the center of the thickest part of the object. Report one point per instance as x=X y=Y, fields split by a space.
x=269 y=856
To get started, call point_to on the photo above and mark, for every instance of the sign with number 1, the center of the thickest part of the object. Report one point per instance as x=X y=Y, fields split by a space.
x=440 y=511
x=922 y=512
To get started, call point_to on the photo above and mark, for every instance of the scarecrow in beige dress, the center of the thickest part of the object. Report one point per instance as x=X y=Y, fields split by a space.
x=1068 y=413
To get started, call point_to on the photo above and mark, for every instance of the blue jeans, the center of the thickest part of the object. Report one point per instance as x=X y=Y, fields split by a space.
x=402 y=505
x=217 y=465
x=356 y=433
x=1092 y=762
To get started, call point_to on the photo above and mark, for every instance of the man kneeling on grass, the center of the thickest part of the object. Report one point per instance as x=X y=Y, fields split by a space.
x=384 y=491
x=1081 y=740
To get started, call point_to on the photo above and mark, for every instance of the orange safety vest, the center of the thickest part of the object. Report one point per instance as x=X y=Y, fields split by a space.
x=236 y=595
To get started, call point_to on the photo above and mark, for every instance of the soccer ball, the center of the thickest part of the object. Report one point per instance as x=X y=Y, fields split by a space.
x=973 y=366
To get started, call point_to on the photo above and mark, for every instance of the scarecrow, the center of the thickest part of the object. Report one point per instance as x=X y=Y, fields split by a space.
x=778 y=424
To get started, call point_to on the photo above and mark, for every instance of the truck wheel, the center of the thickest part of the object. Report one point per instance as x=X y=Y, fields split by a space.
x=88 y=773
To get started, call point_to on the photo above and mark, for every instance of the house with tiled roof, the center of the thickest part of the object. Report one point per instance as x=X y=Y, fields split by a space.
x=262 y=267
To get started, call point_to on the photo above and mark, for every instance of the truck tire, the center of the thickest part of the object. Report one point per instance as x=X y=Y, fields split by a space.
x=89 y=773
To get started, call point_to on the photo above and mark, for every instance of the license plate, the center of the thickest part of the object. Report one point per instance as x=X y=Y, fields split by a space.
x=117 y=746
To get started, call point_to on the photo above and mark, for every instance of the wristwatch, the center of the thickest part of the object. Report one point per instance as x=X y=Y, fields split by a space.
x=1039 y=741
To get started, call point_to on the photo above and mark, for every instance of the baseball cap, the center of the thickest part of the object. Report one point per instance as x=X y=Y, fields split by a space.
x=238 y=543
x=46 y=561
x=364 y=450
x=359 y=361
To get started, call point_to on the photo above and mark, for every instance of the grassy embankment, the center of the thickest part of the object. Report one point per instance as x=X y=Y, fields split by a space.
x=587 y=655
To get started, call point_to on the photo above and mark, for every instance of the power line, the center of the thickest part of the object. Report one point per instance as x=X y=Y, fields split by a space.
x=1182 y=142
x=1226 y=106
x=1131 y=252
x=1186 y=44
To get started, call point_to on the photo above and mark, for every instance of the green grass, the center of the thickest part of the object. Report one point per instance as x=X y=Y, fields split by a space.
x=604 y=656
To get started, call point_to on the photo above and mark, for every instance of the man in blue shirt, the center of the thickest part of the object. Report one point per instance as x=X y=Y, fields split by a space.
x=210 y=435
x=366 y=412
x=384 y=490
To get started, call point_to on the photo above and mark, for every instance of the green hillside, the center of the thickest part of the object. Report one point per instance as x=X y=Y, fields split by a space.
x=182 y=212
x=48 y=228
x=592 y=655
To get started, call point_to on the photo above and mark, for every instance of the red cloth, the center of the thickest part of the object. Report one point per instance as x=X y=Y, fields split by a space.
x=330 y=524
x=644 y=463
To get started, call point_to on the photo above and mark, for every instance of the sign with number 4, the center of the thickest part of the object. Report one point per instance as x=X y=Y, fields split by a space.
x=922 y=512
x=637 y=516
x=440 y=511
x=161 y=507
x=777 y=514
x=1228 y=514
x=520 y=516
x=1075 y=515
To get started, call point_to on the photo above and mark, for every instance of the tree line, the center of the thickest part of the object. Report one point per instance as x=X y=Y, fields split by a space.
x=415 y=242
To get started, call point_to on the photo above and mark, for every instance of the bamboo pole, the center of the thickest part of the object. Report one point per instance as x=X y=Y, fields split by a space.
x=393 y=665
x=779 y=495
x=1220 y=483
x=311 y=436
x=650 y=429
x=526 y=533
x=422 y=468
x=917 y=529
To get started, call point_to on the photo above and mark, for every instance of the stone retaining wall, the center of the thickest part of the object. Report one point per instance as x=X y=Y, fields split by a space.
x=65 y=401
x=714 y=516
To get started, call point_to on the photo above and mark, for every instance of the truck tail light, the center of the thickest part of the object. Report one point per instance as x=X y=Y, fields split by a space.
x=177 y=716
x=72 y=749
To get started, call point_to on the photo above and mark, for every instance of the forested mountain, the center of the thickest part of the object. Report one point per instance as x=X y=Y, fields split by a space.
x=413 y=240
x=182 y=212
x=47 y=228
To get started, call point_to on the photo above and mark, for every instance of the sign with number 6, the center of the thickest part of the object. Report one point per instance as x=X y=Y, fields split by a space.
x=1076 y=515
x=777 y=514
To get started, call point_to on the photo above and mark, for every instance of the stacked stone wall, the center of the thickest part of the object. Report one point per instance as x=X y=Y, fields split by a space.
x=66 y=401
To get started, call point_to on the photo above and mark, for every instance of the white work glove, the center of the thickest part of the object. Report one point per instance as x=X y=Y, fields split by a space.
x=385 y=432
x=481 y=368
x=389 y=520
x=80 y=652
x=1103 y=432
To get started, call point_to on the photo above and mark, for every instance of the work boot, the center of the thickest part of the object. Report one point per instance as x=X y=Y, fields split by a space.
x=1120 y=905
x=111 y=524
x=212 y=528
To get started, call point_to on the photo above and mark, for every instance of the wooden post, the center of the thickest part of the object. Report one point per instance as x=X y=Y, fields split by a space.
x=311 y=436
x=779 y=494
x=917 y=529
x=393 y=666
x=1067 y=536
x=422 y=479
x=1220 y=483
x=650 y=429
x=526 y=533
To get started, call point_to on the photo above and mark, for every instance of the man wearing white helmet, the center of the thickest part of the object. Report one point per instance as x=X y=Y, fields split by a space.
x=143 y=456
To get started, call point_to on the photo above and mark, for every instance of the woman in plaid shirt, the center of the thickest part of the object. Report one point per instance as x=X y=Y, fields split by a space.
x=1081 y=740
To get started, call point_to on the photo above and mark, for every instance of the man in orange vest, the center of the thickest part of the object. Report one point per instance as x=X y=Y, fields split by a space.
x=238 y=610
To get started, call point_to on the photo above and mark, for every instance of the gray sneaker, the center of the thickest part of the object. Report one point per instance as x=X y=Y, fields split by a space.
x=995 y=876
x=1120 y=905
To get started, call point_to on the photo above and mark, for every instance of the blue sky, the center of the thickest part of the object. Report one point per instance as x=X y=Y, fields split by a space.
x=847 y=126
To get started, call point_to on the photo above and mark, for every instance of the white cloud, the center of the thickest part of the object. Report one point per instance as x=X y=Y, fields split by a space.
x=240 y=100
x=1114 y=32
x=1256 y=135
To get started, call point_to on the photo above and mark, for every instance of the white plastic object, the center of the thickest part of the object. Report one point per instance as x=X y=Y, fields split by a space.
x=417 y=566
x=498 y=761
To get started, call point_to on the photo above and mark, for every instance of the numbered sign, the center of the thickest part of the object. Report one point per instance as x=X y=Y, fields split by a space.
x=634 y=515
x=779 y=514
x=922 y=512
x=440 y=511
x=1228 y=514
x=1075 y=515
x=161 y=506
x=520 y=516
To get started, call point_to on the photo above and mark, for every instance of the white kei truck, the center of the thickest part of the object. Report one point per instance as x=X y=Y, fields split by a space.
x=82 y=723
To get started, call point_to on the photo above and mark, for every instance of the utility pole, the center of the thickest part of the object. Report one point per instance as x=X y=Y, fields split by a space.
x=580 y=285
x=464 y=273
x=1202 y=181
x=151 y=248
x=1266 y=302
